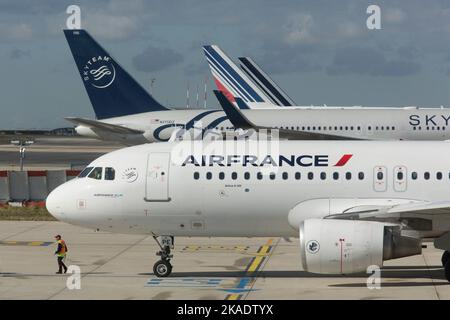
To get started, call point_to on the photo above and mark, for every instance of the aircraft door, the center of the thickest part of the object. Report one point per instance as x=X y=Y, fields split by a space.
x=380 y=178
x=400 y=178
x=157 y=177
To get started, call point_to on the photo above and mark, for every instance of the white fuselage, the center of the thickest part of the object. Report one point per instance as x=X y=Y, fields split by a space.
x=351 y=122
x=156 y=189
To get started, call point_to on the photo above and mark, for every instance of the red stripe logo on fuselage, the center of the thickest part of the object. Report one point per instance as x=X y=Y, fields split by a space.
x=343 y=160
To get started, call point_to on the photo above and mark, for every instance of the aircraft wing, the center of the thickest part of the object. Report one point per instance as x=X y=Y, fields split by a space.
x=103 y=126
x=410 y=210
x=239 y=120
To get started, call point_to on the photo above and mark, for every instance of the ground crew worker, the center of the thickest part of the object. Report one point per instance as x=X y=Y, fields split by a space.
x=61 y=254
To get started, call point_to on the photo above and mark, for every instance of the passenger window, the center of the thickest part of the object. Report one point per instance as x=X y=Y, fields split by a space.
x=310 y=175
x=85 y=172
x=414 y=175
x=298 y=176
x=209 y=175
x=96 y=173
x=399 y=175
x=247 y=175
x=348 y=175
x=361 y=175
x=259 y=176
x=323 y=175
x=380 y=176
x=196 y=175
x=439 y=175
x=221 y=175
x=335 y=175
x=110 y=173
x=426 y=175
x=234 y=175
x=272 y=176
x=285 y=175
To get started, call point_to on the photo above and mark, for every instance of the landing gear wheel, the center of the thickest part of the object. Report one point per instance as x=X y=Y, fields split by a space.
x=447 y=271
x=445 y=258
x=162 y=268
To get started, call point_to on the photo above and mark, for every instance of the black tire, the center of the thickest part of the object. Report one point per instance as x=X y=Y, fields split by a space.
x=447 y=271
x=445 y=258
x=162 y=268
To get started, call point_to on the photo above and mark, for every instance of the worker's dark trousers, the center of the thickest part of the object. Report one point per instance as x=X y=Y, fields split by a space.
x=61 y=265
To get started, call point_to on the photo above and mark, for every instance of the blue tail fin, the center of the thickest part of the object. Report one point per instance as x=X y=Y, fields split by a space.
x=112 y=91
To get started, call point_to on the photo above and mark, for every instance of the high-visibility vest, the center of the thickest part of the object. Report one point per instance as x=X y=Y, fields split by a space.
x=63 y=250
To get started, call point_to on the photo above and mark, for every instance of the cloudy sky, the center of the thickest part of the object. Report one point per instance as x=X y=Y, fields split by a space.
x=320 y=52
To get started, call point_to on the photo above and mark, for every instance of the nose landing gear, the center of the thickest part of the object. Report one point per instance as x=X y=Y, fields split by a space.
x=163 y=268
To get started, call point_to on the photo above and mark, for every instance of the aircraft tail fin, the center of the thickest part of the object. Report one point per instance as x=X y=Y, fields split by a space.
x=262 y=80
x=111 y=90
x=231 y=80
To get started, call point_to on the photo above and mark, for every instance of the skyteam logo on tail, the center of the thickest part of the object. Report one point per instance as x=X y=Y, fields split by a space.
x=99 y=71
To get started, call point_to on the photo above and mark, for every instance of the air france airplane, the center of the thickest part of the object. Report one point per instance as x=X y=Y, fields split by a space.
x=351 y=204
x=341 y=124
x=316 y=122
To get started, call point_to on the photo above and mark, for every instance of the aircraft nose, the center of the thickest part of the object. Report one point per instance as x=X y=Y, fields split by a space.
x=55 y=203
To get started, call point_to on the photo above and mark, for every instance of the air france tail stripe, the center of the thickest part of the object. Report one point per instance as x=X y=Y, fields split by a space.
x=226 y=77
x=249 y=66
x=268 y=93
x=224 y=90
x=236 y=92
x=262 y=87
x=228 y=71
x=214 y=64
x=233 y=73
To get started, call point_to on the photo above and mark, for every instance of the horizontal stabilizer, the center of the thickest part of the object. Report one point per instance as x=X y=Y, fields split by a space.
x=103 y=126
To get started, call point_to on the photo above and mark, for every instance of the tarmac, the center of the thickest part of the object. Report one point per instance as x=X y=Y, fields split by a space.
x=115 y=266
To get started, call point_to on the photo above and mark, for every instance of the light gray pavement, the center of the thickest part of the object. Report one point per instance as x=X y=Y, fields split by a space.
x=118 y=266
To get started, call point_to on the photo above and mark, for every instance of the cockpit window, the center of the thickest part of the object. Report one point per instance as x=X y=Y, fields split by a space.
x=110 y=173
x=85 y=172
x=96 y=173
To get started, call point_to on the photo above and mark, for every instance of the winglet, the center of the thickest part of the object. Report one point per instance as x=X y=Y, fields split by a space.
x=234 y=114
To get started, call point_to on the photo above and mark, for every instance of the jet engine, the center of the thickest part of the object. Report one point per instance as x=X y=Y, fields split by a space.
x=348 y=246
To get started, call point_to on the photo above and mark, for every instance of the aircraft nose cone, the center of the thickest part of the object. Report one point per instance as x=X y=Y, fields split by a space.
x=54 y=203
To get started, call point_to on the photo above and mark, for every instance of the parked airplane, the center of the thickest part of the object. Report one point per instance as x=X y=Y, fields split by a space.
x=127 y=113
x=352 y=204
x=343 y=123
x=124 y=110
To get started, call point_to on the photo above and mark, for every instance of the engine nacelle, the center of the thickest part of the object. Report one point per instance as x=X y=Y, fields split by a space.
x=346 y=246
